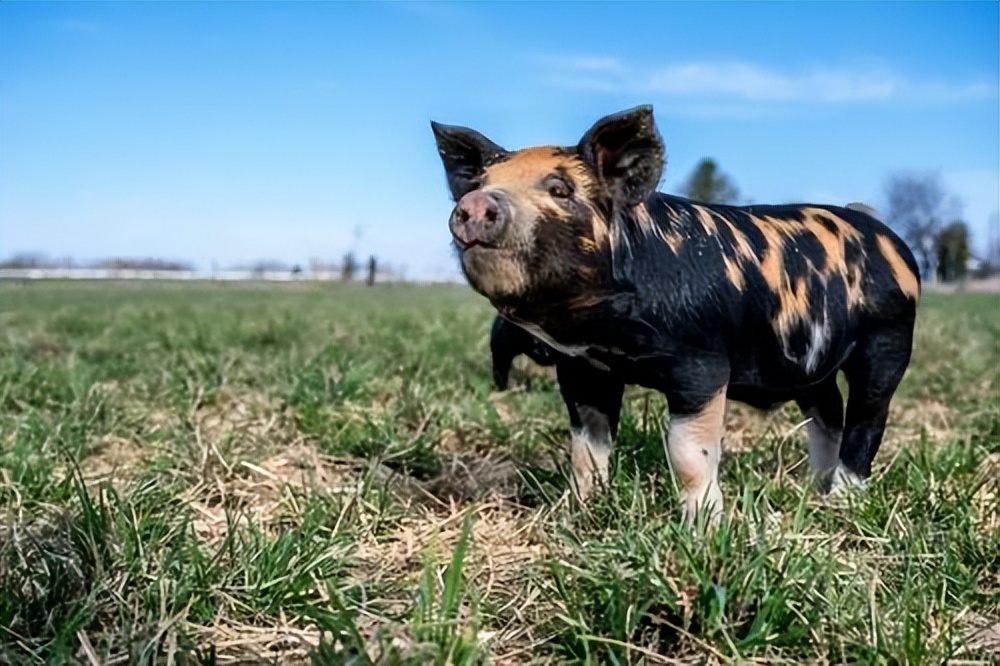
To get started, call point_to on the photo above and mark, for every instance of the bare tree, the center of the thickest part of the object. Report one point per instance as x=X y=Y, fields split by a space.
x=918 y=206
x=348 y=268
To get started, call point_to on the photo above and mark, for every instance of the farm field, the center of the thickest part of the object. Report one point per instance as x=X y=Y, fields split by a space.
x=317 y=474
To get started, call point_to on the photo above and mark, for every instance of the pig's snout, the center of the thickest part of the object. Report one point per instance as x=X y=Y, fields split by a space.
x=479 y=218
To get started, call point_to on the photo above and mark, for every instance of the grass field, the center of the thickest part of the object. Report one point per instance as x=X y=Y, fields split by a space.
x=316 y=474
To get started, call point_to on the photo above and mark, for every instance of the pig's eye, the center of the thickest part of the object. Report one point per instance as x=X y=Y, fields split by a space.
x=559 y=188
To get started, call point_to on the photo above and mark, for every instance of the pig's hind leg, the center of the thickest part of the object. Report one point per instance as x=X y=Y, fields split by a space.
x=873 y=372
x=824 y=407
x=593 y=399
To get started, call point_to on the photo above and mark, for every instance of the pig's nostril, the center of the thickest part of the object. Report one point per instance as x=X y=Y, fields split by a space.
x=478 y=219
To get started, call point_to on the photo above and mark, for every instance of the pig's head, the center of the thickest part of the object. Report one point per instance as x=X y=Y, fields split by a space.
x=535 y=224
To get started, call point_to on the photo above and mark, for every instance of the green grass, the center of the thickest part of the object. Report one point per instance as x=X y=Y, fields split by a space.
x=317 y=474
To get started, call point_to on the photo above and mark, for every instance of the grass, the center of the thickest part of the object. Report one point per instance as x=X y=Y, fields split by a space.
x=203 y=474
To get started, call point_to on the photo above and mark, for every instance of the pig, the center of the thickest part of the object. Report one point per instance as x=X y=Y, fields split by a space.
x=761 y=304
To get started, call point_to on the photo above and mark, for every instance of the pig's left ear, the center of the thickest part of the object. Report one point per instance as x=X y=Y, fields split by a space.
x=626 y=151
x=465 y=153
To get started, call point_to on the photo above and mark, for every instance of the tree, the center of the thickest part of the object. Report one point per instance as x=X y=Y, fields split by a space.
x=709 y=185
x=991 y=261
x=349 y=267
x=27 y=260
x=918 y=205
x=953 y=251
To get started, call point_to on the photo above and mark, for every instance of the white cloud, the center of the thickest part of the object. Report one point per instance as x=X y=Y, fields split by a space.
x=751 y=82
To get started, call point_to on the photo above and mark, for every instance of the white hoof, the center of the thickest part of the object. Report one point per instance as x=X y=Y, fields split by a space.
x=845 y=482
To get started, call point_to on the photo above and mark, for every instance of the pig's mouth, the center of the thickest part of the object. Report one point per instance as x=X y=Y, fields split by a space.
x=477 y=246
x=475 y=242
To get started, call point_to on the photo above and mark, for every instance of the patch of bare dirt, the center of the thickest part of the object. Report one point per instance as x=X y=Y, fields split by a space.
x=505 y=544
x=247 y=414
x=249 y=418
x=504 y=411
x=115 y=460
x=464 y=477
x=503 y=540
x=746 y=425
x=260 y=490
x=986 y=501
x=264 y=491
x=238 y=643
x=909 y=419
x=44 y=346
x=981 y=633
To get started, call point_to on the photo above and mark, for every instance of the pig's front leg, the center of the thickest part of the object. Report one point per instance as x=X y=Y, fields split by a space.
x=697 y=404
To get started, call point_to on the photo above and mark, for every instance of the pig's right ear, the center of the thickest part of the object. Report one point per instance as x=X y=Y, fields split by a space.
x=465 y=153
x=626 y=151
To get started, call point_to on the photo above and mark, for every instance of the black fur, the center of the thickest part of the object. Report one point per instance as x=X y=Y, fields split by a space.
x=507 y=342
x=673 y=321
x=626 y=152
x=767 y=303
x=464 y=153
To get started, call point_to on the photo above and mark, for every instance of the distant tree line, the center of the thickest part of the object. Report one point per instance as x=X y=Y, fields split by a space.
x=144 y=265
x=347 y=270
x=919 y=209
x=929 y=219
x=29 y=260
x=32 y=260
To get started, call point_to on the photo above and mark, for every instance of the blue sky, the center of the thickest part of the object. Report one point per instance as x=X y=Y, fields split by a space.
x=238 y=131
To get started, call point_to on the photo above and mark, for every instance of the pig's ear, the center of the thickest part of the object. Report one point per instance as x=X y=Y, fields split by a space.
x=626 y=151
x=465 y=153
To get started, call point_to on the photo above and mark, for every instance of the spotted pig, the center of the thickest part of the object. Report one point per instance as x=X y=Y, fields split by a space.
x=759 y=304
